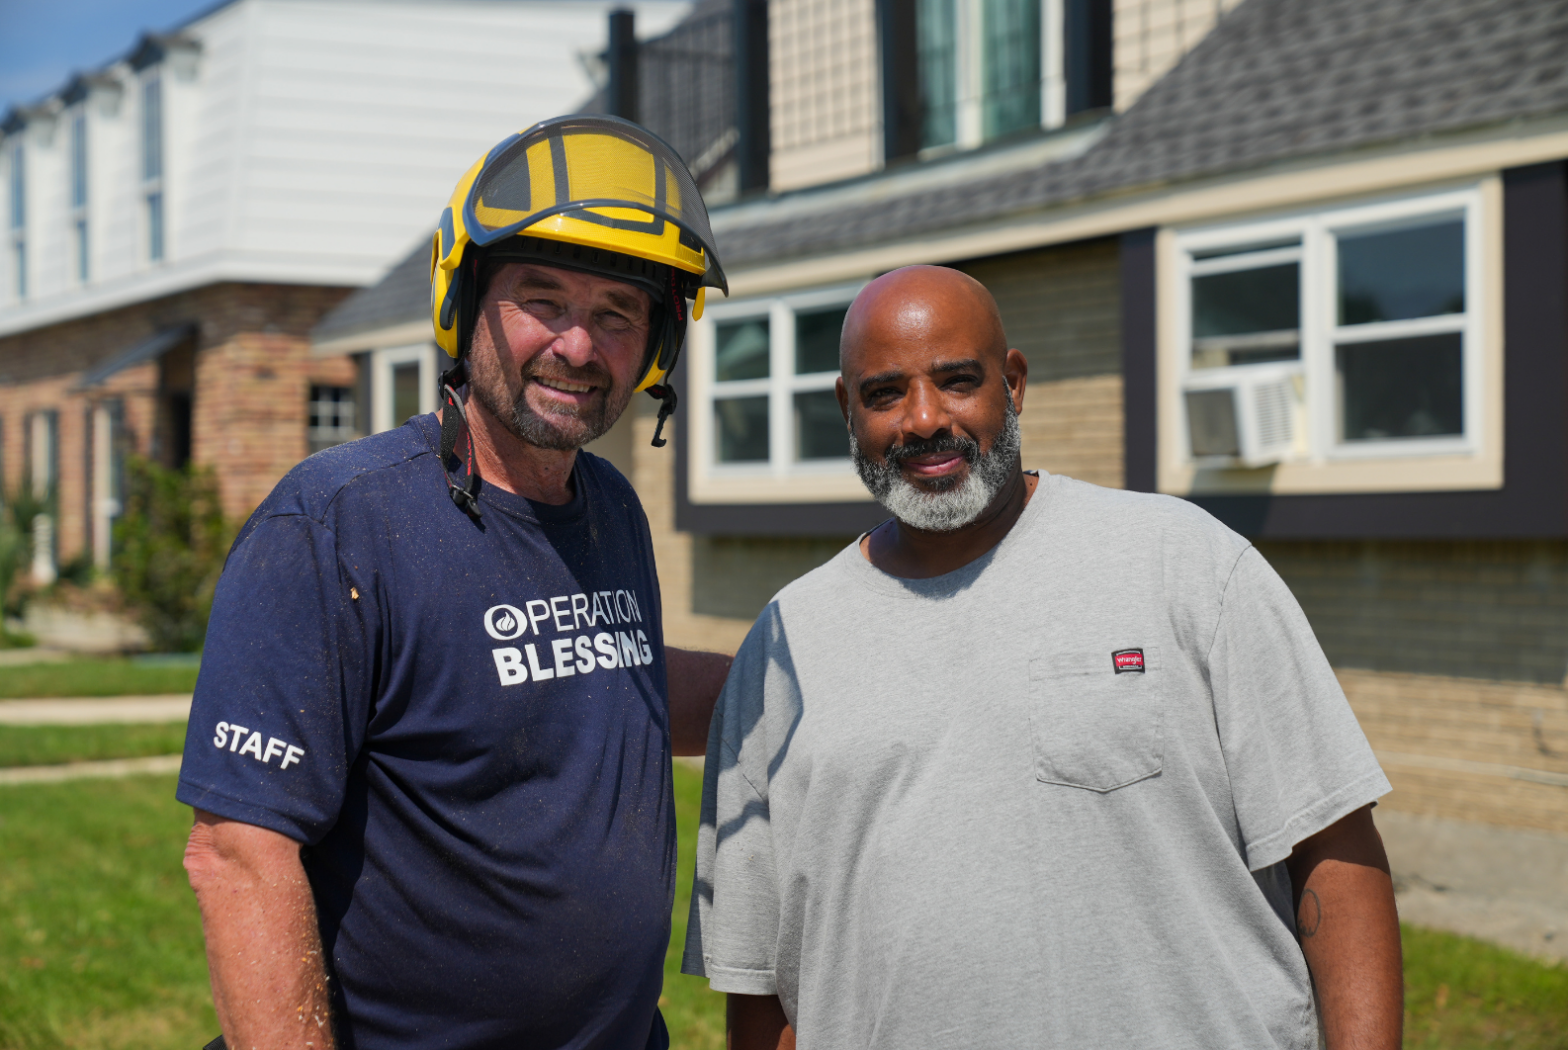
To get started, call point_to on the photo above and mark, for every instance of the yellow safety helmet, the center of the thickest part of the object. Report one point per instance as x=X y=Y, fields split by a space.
x=597 y=194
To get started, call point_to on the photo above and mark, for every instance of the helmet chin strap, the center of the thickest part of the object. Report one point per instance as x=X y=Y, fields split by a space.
x=455 y=429
x=674 y=329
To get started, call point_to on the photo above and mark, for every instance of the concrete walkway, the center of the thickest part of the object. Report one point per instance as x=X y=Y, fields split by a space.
x=115 y=767
x=95 y=710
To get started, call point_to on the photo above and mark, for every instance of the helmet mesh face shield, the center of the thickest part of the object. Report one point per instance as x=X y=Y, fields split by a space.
x=599 y=181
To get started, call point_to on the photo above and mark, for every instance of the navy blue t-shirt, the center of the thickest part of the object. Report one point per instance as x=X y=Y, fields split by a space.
x=467 y=727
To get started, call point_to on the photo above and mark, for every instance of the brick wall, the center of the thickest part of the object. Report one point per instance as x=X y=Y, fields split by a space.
x=1488 y=610
x=250 y=376
x=1495 y=752
x=1060 y=306
x=1453 y=655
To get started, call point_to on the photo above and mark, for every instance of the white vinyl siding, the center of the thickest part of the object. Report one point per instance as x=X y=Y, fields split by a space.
x=303 y=141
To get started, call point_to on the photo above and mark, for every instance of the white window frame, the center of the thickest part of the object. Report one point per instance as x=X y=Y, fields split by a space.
x=782 y=477
x=969 y=73
x=382 y=362
x=154 y=234
x=79 y=166
x=16 y=221
x=1322 y=461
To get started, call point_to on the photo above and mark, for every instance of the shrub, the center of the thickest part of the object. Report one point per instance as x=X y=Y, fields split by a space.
x=170 y=542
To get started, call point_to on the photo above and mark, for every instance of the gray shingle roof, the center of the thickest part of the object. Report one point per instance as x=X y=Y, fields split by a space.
x=1276 y=80
x=401 y=296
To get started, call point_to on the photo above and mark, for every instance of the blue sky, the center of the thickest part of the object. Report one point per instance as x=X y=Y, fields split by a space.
x=42 y=42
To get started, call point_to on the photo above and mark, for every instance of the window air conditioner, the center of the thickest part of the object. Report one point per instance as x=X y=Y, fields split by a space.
x=1242 y=416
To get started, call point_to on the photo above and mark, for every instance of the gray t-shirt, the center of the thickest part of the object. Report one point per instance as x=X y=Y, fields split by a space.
x=1042 y=801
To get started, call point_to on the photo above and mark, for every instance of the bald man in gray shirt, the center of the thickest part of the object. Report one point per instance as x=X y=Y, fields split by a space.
x=1035 y=763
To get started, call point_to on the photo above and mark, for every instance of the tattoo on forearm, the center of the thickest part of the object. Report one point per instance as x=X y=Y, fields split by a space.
x=1309 y=914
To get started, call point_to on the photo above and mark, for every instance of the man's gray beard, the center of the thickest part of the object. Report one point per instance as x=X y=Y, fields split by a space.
x=529 y=426
x=942 y=511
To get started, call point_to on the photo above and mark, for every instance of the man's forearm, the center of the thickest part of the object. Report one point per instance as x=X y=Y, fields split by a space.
x=695 y=680
x=1349 y=931
x=269 y=982
x=756 y=1022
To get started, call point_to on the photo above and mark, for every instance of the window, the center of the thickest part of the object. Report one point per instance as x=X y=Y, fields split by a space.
x=1356 y=333
x=152 y=164
x=982 y=69
x=79 y=193
x=18 y=195
x=766 y=389
x=332 y=415
x=402 y=384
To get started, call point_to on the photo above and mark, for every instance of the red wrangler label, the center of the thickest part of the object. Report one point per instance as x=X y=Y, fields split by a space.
x=1128 y=660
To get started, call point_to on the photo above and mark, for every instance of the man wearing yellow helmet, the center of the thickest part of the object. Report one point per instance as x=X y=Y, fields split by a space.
x=436 y=662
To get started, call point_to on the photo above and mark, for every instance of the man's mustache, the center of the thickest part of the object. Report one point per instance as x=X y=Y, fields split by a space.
x=969 y=448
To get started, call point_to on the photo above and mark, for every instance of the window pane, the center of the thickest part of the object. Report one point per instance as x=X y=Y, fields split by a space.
x=742 y=350
x=935 y=30
x=1402 y=273
x=1246 y=316
x=79 y=161
x=82 y=257
x=1267 y=299
x=743 y=429
x=155 y=226
x=152 y=129
x=405 y=392
x=19 y=267
x=1011 y=66
x=18 y=187
x=816 y=340
x=819 y=427
x=1402 y=388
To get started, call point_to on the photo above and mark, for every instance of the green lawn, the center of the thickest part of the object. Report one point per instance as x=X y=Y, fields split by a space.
x=95 y=677
x=46 y=745
x=100 y=944
x=1464 y=993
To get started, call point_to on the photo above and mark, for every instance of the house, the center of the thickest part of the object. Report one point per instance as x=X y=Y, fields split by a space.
x=176 y=221
x=1302 y=262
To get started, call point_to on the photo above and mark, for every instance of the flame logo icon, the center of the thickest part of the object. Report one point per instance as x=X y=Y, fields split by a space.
x=505 y=622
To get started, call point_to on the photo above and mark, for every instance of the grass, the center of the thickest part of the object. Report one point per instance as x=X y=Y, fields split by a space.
x=100 y=943
x=95 y=677
x=1461 y=993
x=693 y=1011
x=47 y=745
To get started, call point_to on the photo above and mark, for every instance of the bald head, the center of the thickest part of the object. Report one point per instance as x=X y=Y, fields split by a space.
x=934 y=306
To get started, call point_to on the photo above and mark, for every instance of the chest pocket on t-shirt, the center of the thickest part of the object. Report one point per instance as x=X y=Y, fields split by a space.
x=1096 y=718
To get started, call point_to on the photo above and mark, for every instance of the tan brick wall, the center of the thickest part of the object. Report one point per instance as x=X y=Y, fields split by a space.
x=1495 y=610
x=1061 y=306
x=654 y=479
x=1074 y=427
x=1495 y=752
x=252 y=371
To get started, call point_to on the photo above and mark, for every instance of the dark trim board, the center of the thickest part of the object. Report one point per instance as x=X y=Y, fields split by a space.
x=1140 y=405
x=1533 y=502
x=756 y=519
